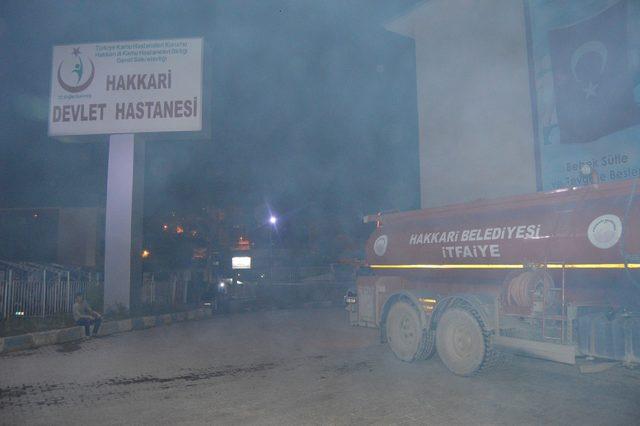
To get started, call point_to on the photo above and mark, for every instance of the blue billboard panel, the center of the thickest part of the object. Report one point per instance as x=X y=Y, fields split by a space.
x=585 y=69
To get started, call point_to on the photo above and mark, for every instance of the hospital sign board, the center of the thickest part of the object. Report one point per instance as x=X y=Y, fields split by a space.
x=126 y=87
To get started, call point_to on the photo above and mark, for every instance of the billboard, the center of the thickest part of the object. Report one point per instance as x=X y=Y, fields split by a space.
x=126 y=87
x=584 y=59
x=241 y=262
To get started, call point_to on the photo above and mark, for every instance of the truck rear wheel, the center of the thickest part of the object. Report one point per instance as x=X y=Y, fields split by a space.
x=462 y=344
x=405 y=334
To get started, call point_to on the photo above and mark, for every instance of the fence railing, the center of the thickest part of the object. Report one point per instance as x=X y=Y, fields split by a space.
x=41 y=290
x=168 y=289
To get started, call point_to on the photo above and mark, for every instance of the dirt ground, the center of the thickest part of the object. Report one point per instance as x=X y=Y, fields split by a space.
x=292 y=367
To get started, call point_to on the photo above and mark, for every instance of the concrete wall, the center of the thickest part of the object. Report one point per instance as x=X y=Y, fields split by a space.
x=474 y=108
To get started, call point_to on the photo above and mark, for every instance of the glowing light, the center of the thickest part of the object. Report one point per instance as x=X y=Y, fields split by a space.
x=165 y=227
x=243 y=244
x=145 y=254
x=241 y=262
x=199 y=253
x=273 y=220
x=179 y=229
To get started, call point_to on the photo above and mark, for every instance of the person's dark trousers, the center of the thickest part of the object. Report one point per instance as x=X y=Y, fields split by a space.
x=86 y=322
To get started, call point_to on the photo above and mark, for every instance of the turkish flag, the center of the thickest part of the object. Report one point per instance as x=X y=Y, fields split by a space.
x=592 y=82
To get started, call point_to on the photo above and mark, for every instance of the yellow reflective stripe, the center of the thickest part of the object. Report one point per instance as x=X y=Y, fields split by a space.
x=450 y=266
x=587 y=266
x=511 y=266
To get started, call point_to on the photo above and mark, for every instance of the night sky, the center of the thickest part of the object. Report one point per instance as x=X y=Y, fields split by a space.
x=313 y=107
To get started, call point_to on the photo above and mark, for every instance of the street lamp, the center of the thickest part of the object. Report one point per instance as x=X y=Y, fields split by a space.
x=273 y=220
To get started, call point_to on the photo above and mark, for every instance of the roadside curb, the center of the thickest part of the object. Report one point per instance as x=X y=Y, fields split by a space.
x=63 y=335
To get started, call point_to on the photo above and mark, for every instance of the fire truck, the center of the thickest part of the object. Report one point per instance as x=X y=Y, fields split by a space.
x=554 y=275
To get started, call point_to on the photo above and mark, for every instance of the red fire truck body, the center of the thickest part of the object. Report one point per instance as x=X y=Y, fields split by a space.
x=553 y=275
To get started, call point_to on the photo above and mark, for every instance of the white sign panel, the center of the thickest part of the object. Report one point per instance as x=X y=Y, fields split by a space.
x=126 y=87
x=241 y=262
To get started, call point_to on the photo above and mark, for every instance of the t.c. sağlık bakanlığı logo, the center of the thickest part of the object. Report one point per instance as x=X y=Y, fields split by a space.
x=73 y=75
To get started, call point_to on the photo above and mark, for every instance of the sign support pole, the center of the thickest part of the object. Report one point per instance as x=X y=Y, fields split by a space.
x=123 y=227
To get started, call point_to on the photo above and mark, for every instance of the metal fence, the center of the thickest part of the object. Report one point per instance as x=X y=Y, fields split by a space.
x=41 y=290
x=167 y=289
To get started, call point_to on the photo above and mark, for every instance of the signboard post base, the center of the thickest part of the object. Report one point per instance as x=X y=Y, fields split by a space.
x=123 y=227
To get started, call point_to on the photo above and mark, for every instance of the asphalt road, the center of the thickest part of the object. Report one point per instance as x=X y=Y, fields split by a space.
x=292 y=367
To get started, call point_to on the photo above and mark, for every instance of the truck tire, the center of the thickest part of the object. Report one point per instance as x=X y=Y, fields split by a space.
x=462 y=342
x=407 y=338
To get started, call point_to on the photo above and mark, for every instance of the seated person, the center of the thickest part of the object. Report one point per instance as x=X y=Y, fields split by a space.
x=84 y=315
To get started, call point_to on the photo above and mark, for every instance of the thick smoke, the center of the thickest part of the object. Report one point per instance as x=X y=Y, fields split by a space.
x=313 y=107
